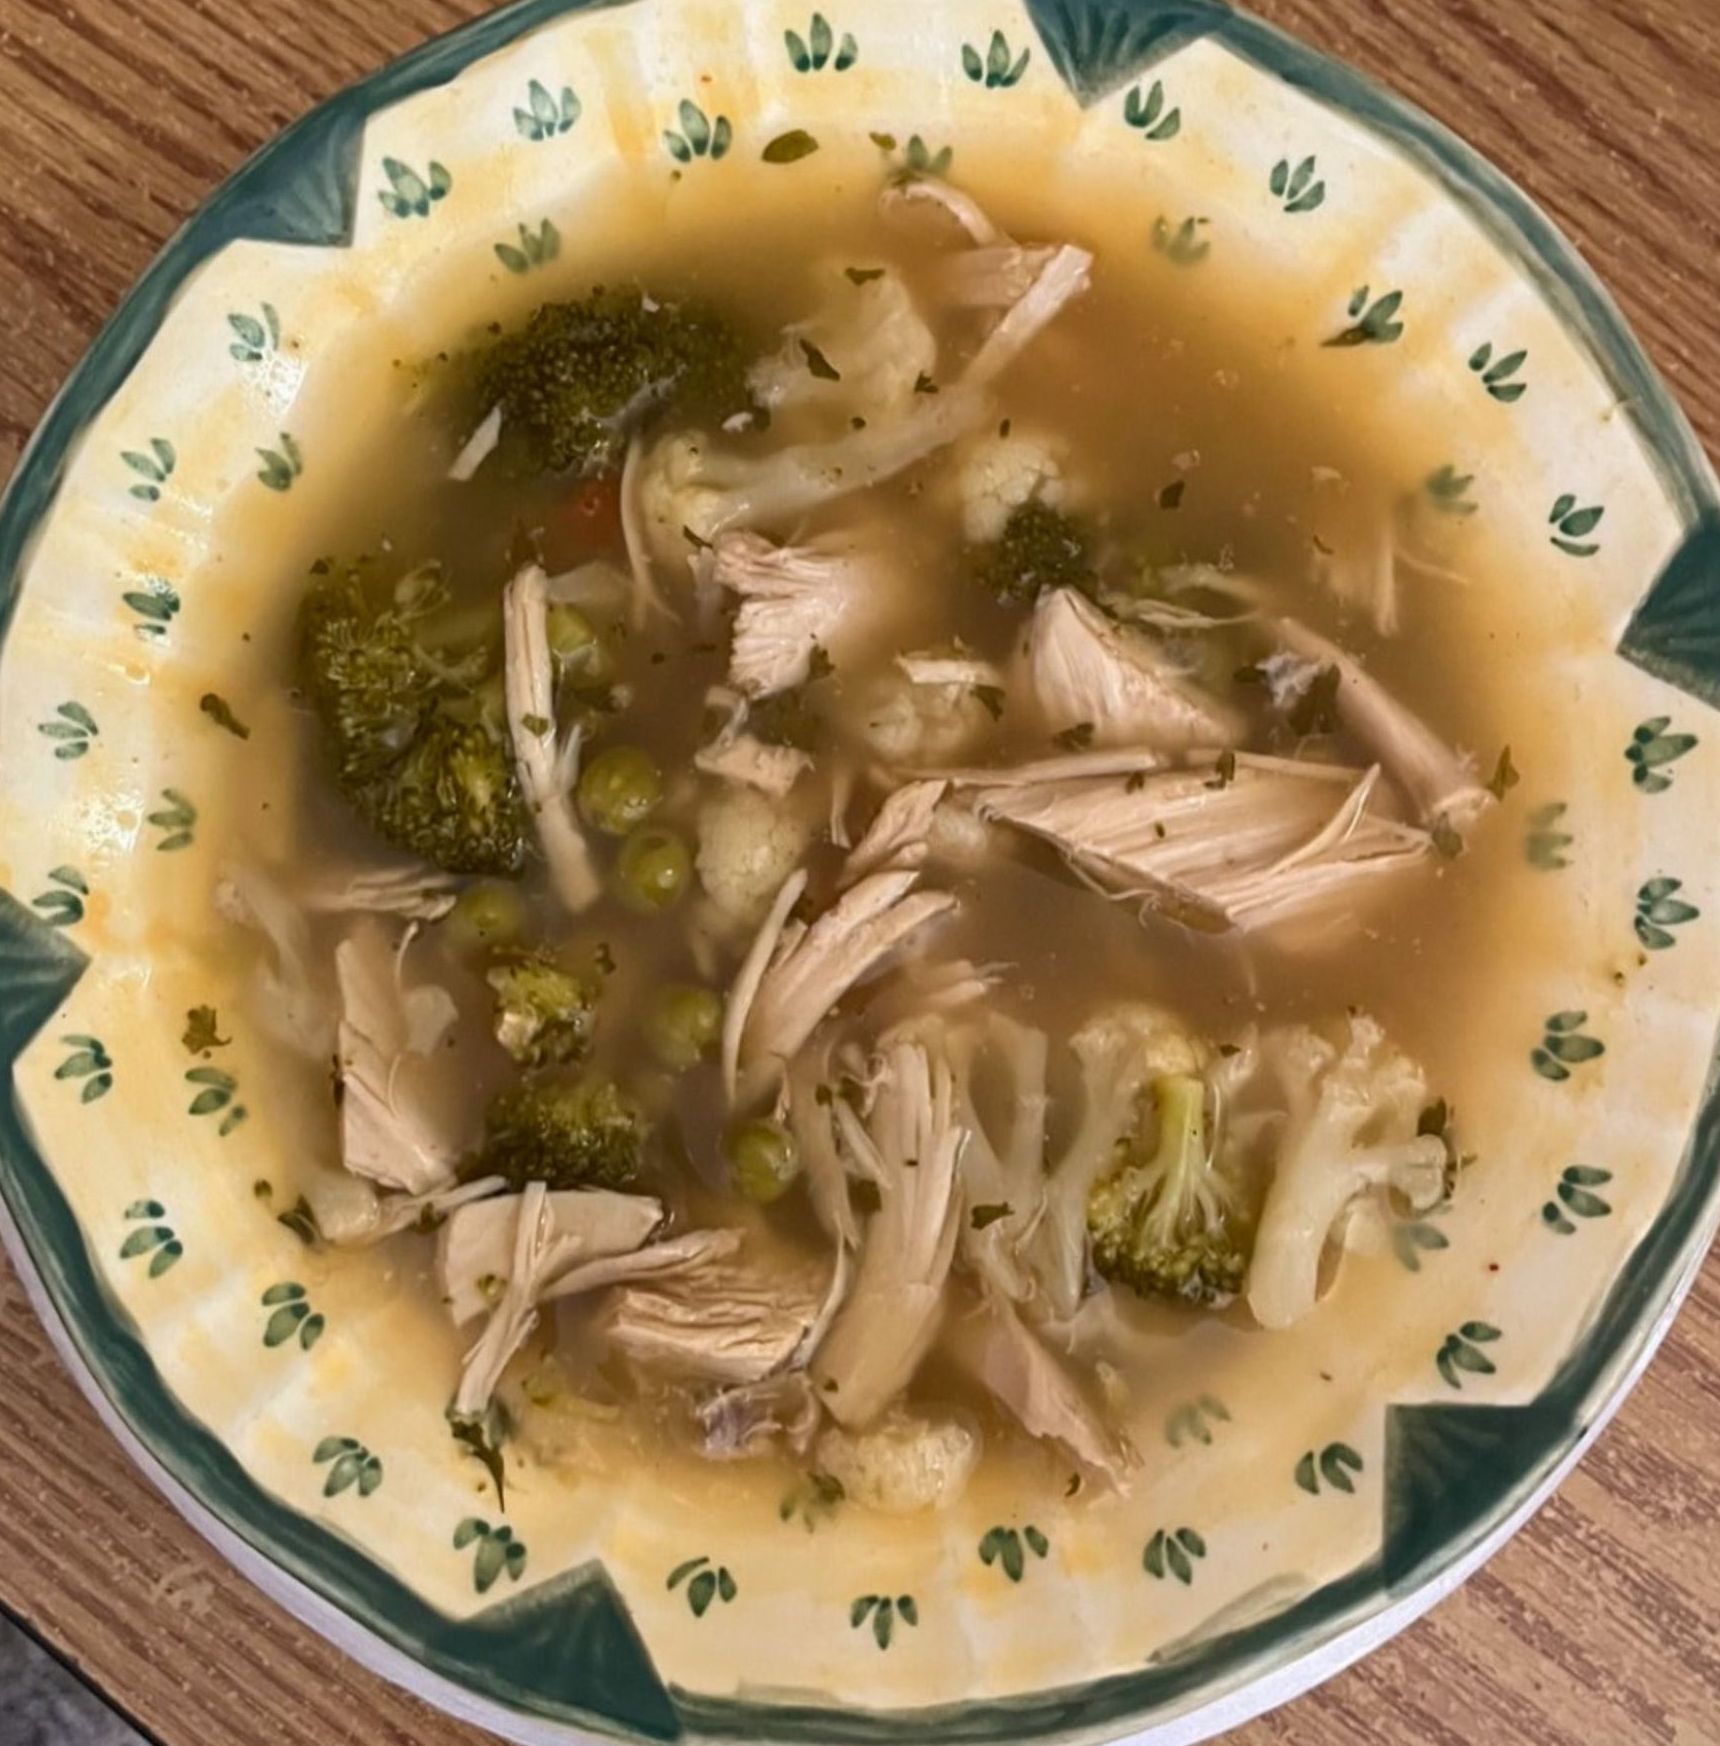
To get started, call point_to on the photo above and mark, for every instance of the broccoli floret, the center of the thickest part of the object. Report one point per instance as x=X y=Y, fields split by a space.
x=1041 y=549
x=415 y=748
x=1165 y=1223
x=544 y=1013
x=580 y=1133
x=576 y=382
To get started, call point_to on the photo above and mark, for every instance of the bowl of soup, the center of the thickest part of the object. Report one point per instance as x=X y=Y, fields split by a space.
x=854 y=879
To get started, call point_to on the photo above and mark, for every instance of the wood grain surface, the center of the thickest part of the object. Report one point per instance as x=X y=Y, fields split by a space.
x=1601 y=1622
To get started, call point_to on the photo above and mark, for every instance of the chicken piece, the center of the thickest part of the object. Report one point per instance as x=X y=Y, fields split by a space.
x=1439 y=784
x=1002 y=1065
x=910 y=201
x=585 y=1224
x=1363 y=572
x=749 y=761
x=897 y=839
x=748 y=1420
x=547 y=771
x=909 y=1148
x=413 y=892
x=1001 y=1353
x=748 y=844
x=1272 y=841
x=988 y=278
x=644 y=599
x=870 y=340
x=807 y=976
x=1087 y=670
x=903 y=1464
x=386 y=1132
x=539 y=1269
x=737 y=756
x=718 y=1322
x=1070 y=767
x=796 y=600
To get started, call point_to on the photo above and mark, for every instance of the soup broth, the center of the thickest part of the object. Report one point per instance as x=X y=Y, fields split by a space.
x=1089 y=1108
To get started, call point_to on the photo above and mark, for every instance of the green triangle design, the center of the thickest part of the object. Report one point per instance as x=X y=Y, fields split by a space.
x=1675 y=631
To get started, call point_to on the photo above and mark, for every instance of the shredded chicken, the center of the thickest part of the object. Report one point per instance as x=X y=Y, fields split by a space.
x=479 y=447
x=1003 y=1168
x=738 y=756
x=415 y=893
x=998 y=1349
x=897 y=838
x=539 y=1270
x=807 y=978
x=645 y=596
x=929 y=669
x=910 y=1148
x=386 y=1132
x=718 y=1322
x=737 y=1010
x=474 y=1244
x=1439 y=784
x=872 y=338
x=547 y=772
x=904 y=201
x=743 y=1421
x=1089 y=672
x=1271 y=840
x=795 y=601
x=988 y=278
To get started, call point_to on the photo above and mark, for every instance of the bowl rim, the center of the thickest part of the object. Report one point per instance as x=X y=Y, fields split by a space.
x=302 y=186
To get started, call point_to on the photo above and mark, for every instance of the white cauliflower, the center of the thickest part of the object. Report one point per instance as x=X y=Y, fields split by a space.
x=1353 y=1115
x=901 y=1464
x=748 y=845
x=908 y=722
x=997 y=474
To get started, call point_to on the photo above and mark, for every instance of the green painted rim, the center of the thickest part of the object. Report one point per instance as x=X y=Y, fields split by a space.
x=566 y=1652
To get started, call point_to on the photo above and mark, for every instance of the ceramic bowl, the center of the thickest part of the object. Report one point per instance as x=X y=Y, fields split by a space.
x=292 y=1404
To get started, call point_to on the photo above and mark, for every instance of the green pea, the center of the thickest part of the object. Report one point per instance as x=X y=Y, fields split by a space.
x=578 y=647
x=684 y=1024
x=491 y=914
x=653 y=868
x=620 y=788
x=764 y=1159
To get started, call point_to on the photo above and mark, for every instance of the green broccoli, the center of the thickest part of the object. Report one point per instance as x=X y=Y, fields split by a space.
x=417 y=749
x=1166 y=1223
x=580 y=1133
x=544 y=1013
x=576 y=382
x=1041 y=549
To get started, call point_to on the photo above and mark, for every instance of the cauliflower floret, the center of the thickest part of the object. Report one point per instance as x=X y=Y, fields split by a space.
x=904 y=722
x=748 y=844
x=997 y=474
x=901 y=1464
x=1352 y=1129
x=676 y=496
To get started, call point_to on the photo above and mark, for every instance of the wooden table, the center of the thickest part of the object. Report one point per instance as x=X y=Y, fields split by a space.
x=1600 y=1624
